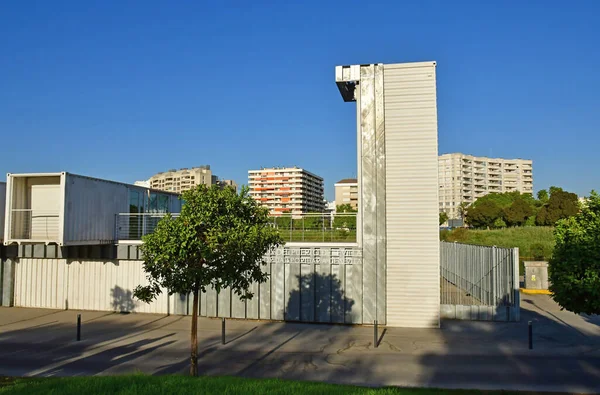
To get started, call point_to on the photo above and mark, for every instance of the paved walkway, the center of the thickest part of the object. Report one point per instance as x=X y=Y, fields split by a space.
x=566 y=354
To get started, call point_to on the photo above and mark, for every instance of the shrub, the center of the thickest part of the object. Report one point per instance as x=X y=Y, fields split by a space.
x=499 y=223
x=575 y=264
x=538 y=252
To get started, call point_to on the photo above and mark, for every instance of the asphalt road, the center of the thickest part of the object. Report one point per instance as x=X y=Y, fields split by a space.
x=566 y=354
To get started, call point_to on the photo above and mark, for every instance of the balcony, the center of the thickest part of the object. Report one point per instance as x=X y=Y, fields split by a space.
x=133 y=226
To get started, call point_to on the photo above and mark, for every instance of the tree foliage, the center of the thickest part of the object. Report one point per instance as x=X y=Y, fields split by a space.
x=517 y=213
x=443 y=217
x=504 y=200
x=554 y=189
x=518 y=209
x=499 y=223
x=345 y=208
x=560 y=205
x=575 y=264
x=484 y=214
x=463 y=208
x=542 y=196
x=218 y=240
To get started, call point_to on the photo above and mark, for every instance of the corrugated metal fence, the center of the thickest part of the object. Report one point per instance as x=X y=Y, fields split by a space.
x=321 y=283
x=307 y=284
x=479 y=282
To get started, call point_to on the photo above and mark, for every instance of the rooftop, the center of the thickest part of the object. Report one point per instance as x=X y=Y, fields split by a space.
x=347 y=181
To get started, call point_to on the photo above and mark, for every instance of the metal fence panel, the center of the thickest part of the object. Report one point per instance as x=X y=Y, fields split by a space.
x=479 y=282
x=306 y=284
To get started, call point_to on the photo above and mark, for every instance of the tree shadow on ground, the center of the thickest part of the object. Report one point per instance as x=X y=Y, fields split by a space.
x=496 y=355
x=313 y=298
x=463 y=354
x=109 y=341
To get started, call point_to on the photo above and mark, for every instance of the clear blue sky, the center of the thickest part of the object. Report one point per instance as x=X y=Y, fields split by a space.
x=124 y=89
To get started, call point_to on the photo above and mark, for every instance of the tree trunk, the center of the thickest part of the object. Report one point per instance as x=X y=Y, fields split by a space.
x=194 y=350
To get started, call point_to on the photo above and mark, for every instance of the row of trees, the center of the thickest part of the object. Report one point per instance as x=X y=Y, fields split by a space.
x=498 y=210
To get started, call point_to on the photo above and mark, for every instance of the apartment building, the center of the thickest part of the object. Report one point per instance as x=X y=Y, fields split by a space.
x=227 y=183
x=143 y=183
x=465 y=178
x=287 y=190
x=346 y=192
x=183 y=179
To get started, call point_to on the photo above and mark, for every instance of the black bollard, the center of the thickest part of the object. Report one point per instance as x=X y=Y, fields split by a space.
x=223 y=330
x=530 y=324
x=78 y=327
x=375 y=339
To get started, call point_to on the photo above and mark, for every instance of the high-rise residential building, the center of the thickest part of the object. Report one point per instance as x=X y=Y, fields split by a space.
x=465 y=178
x=346 y=192
x=287 y=190
x=183 y=179
x=227 y=183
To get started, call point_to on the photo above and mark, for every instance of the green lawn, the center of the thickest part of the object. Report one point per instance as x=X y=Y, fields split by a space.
x=141 y=384
x=525 y=238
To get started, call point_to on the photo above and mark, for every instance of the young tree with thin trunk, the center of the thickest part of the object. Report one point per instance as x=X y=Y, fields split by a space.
x=219 y=240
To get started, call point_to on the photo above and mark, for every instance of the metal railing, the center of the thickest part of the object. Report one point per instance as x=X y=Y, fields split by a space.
x=478 y=275
x=28 y=224
x=319 y=227
x=131 y=226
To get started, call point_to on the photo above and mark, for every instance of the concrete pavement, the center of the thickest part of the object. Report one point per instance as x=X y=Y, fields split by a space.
x=485 y=355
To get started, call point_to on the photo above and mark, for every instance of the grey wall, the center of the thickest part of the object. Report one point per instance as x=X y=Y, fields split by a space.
x=7 y=275
x=308 y=284
x=364 y=85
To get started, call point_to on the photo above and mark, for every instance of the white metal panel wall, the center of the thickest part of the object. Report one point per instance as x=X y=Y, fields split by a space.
x=41 y=283
x=83 y=285
x=413 y=279
x=108 y=286
x=90 y=209
x=2 y=208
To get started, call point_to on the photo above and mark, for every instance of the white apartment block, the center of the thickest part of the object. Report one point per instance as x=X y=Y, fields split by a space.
x=287 y=190
x=183 y=179
x=346 y=192
x=465 y=178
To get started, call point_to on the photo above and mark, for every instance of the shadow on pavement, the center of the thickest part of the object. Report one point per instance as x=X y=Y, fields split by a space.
x=497 y=356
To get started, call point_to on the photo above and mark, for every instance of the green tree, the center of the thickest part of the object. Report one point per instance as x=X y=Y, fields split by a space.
x=499 y=223
x=575 y=264
x=542 y=196
x=554 y=189
x=502 y=200
x=560 y=205
x=517 y=213
x=218 y=240
x=344 y=222
x=484 y=214
x=530 y=221
x=345 y=208
x=443 y=217
x=462 y=210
